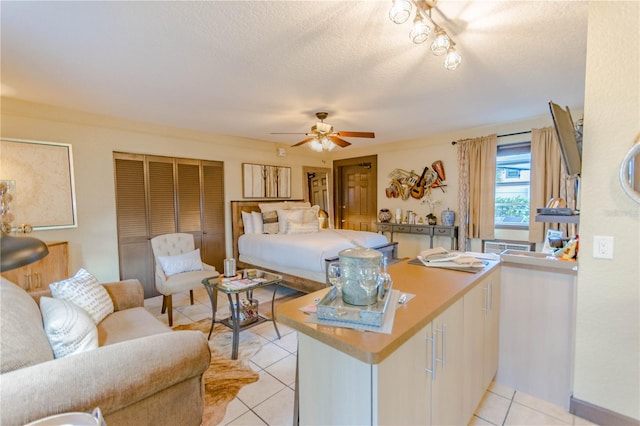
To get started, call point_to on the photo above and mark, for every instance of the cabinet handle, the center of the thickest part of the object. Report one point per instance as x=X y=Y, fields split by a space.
x=485 y=292
x=443 y=340
x=27 y=282
x=432 y=371
x=491 y=296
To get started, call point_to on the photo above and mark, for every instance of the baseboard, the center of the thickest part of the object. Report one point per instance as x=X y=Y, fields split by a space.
x=599 y=415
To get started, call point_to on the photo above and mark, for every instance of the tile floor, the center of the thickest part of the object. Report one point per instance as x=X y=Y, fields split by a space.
x=269 y=401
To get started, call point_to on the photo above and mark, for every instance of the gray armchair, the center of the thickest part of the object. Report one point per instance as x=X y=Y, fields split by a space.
x=177 y=244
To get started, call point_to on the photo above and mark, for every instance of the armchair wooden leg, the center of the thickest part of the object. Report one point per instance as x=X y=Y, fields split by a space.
x=170 y=309
x=164 y=304
x=191 y=296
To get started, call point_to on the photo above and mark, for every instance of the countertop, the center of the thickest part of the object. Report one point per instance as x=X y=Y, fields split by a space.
x=539 y=260
x=435 y=290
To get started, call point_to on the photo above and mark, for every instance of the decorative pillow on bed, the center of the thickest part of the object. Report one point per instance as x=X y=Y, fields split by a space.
x=247 y=223
x=271 y=207
x=185 y=262
x=270 y=221
x=258 y=226
x=295 y=227
x=310 y=214
x=284 y=216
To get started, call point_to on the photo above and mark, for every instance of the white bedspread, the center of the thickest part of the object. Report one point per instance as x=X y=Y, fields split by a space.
x=303 y=251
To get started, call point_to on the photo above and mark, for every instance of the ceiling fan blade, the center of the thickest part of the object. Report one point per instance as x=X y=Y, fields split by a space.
x=302 y=142
x=357 y=134
x=340 y=142
x=298 y=133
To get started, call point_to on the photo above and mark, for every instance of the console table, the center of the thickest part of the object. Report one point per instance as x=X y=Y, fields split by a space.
x=430 y=230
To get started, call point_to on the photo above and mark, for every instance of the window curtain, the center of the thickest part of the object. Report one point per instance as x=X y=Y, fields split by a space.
x=548 y=180
x=476 y=195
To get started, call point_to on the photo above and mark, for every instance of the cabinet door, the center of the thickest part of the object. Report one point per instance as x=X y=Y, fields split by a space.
x=491 y=329
x=446 y=394
x=474 y=324
x=402 y=386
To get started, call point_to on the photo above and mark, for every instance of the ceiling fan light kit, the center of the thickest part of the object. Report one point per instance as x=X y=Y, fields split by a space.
x=323 y=138
x=401 y=11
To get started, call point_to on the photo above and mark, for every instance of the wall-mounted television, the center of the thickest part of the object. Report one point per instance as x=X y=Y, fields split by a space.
x=570 y=147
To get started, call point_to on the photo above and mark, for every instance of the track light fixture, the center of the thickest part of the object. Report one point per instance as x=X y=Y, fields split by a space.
x=401 y=11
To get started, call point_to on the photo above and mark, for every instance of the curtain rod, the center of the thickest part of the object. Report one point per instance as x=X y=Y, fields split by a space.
x=504 y=136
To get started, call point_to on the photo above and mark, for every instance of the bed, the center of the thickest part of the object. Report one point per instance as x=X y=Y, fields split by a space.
x=301 y=259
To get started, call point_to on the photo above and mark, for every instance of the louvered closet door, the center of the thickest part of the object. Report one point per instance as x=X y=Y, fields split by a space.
x=134 y=252
x=213 y=241
x=162 y=200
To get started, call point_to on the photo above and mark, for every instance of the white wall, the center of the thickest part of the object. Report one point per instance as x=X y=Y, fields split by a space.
x=607 y=363
x=93 y=244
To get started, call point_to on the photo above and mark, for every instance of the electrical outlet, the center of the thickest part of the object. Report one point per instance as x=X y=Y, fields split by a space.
x=603 y=247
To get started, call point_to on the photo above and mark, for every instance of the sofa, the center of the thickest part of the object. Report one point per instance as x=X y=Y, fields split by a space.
x=141 y=373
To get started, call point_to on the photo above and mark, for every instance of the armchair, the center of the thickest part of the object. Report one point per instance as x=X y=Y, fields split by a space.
x=178 y=267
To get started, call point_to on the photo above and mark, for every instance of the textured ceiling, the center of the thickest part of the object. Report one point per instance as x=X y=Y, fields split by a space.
x=248 y=68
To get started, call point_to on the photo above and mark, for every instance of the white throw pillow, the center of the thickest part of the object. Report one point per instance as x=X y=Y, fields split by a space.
x=69 y=328
x=84 y=290
x=302 y=228
x=185 y=262
x=247 y=223
x=258 y=225
x=284 y=216
x=270 y=207
x=310 y=214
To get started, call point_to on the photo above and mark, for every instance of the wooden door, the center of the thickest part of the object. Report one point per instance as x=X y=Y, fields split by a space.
x=357 y=192
x=318 y=189
x=213 y=244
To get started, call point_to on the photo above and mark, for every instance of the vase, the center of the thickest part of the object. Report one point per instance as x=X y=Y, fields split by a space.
x=384 y=215
x=448 y=217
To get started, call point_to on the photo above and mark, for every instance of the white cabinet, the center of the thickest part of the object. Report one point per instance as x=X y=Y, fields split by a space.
x=408 y=387
x=481 y=322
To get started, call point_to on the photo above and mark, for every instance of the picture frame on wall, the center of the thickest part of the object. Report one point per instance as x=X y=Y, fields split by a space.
x=44 y=194
x=264 y=181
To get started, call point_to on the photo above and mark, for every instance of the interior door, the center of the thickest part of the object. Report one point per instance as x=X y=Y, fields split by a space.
x=318 y=188
x=357 y=191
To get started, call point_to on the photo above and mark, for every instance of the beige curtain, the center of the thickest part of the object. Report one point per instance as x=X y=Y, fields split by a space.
x=548 y=180
x=476 y=195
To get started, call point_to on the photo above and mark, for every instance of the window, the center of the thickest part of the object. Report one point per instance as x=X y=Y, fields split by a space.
x=513 y=169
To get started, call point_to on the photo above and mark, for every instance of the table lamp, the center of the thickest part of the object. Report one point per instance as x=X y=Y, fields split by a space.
x=19 y=251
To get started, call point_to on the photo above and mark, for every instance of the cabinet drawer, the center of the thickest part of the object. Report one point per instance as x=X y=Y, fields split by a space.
x=402 y=228
x=421 y=230
x=384 y=227
x=444 y=231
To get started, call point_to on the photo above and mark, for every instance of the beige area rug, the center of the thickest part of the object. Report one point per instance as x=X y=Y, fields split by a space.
x=225 y=377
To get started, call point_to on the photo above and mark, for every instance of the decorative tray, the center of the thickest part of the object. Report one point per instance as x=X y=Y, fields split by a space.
x=332 y=307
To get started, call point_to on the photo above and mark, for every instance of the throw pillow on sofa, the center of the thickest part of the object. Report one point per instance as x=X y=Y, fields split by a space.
x=69 y=328
x=84 y=290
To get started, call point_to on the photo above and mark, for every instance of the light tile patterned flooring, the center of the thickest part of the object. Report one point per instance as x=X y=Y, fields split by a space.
x=269 y=401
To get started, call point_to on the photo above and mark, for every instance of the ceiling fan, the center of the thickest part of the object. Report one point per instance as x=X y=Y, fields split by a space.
x=324 y=138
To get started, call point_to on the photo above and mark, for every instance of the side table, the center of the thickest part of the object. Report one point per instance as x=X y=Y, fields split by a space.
x=234 y=288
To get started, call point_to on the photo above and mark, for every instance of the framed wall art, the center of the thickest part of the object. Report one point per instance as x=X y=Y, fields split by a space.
x=263 y=181
x=44 y=194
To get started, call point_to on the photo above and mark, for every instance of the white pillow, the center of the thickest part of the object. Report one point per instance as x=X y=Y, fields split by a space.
x=84 y=290
x=284 y=216
x=302 y=228
x=258 y=225
x=184 y=262
x=310 y=214
x=247 y=223
x=269 y=207
x=69 y=328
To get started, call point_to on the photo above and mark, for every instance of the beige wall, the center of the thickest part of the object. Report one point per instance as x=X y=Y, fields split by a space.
x=93 y=244
x=607 y=363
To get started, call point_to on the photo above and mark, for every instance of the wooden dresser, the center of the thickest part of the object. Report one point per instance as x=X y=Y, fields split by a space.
x=38 y=275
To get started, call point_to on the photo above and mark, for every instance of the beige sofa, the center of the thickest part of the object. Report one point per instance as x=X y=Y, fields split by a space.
x=142 y=373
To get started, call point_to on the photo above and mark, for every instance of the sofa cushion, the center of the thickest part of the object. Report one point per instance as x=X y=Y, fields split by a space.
x=84 y=290
x=24 y=341
x=69 y=328
x=128 y=325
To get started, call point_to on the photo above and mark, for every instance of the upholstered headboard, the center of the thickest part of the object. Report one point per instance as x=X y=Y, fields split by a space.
x=237 y=207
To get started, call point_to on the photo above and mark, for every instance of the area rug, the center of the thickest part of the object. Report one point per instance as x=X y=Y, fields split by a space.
x=225 y=377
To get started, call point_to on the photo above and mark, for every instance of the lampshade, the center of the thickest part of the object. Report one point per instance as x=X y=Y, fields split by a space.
x=400 y=11
x=420 y=31
x=19 y=251
x=441 y=43
x=452 y=60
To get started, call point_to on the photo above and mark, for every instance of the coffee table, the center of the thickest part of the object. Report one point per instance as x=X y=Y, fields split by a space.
x=234 y=288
